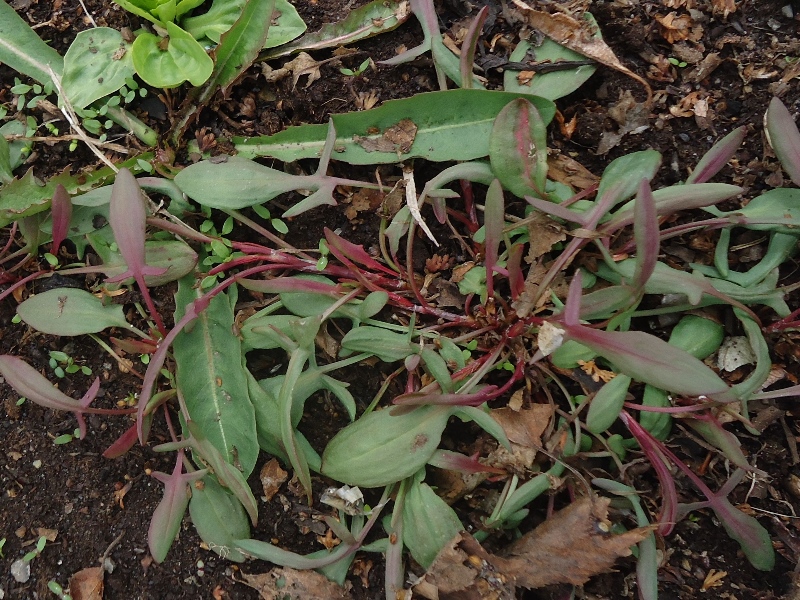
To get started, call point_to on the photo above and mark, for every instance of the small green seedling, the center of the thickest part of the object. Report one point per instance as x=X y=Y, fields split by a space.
x=58 y=590
x=62 y=364
x=40 y=544
x=358 y=71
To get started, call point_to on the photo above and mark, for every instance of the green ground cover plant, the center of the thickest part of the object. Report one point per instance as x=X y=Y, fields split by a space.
x=456 y=365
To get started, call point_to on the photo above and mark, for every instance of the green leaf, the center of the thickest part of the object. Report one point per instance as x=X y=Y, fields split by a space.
x=553 y=85
x=386 y=345
x=70 y=311
x=219 y=518
x=288 y=26
x=210 y=375
x=776 y=210
x=212 y=24
x=184 y=59
x=623 y=175
x=451 y=125
x=360 y=23
x=428 y=523
x=96 y=64
x=518 y=149
x=381 y=448
x=17 y=150
x=142 y=8
x=24 y=51
x=607 y=404
x=6 y=175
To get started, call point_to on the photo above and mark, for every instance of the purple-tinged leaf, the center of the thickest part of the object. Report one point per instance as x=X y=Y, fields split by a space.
x=602 y=303
x=645 y=232
x=438 y=398
x=516 y=278
x=31 y=384
x=494 y=220
x=676 y=198
x=518 y=149
x=455 y=461
x=712 y=431
x=167 y=517
x=467 y=61
x=717 y=157
x=426 y=15
x=280 y=285
x=653 y=449
x=127 y=217
x=784 y=138
x=649 y=359
x=344 y=250
x=61 y=210
x=556 y=210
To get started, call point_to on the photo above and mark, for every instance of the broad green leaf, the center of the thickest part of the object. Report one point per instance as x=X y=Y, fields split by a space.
x=450 y=125
x=428 y=522
x=607 y=403
x=622 y=177
x=553 y=85
x=212 y=24
x=209 y=373
x=219 y=518
x=699 y=336
x=288 y=26
x=96 y=65
x=386 y=345
x=236 y=183
x=176 y=256
x=518 y=149
x=363 y=22
x=183 y=59
x=381 y=448
x=142 y=8
x=70 y=311
x=16 y=149
x=775 y=210
x=24 y=51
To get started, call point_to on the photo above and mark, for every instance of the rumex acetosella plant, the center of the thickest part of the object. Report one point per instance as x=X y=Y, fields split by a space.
x=514 y=333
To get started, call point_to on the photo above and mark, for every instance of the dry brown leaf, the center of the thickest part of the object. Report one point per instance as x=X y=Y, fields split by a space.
x=523 y=429
x=463 y=570
x=87 y=584
x=578 y=35
x=703 y=69
x=725 y=7
x=303 y=64
x=569 y=547
x=526 y=303
x=674 y=27
x=631 y=116
x=543 y=233
x=291 y=584
x=566 y=170
x=397 y=138
x=272 y=478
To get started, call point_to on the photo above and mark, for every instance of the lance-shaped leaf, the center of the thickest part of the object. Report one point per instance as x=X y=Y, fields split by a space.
x=645 y=232
x=607 y=404
x=381 y=448
x=167 y=517
x=642 y=356
x=61 y=211
x=127 y=217
x=429 y=523
x=494 y=221
x=518 y=149
x=228 y=475
x=784 y=138
x=71 y=311
x=717 y=157
x=712 y=431
x=219 y=518
x=622 y=177
x=28 y=382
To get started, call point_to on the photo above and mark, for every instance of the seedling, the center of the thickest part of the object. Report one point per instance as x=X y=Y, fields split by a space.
x=358 y=70
x=40 y=544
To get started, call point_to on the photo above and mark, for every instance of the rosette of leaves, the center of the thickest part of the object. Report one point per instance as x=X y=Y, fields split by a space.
x=177 y=51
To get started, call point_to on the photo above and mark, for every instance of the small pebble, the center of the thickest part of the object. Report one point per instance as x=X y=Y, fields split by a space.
x=21 y=571
x=37 y=464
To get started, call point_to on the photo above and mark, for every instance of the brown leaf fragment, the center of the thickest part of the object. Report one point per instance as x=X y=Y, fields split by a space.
x=569 y=547
x=397 y=138
x=703 y=69
x=725 y=7
x=578 y=35
x=463 y=570
x=523 y=429
x=566 y=170
x=291 y=584
x=674 y=27
x=631 y=116
x=272 y=478
x=87 y=584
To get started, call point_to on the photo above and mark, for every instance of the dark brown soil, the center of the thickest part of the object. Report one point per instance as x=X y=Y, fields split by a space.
x=91 y=502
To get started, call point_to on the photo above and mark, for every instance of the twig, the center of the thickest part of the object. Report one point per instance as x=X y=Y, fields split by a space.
x=65 y=138
x=72 y=119
x=91 y=19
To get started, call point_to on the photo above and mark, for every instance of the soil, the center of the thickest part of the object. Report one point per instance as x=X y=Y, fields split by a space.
x=93 y=505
